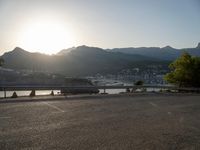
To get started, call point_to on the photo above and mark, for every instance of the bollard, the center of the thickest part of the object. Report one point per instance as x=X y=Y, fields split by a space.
x=52 y=93
x=14 y=95
x=128 y=90
x=4 y=93
x=32 y=94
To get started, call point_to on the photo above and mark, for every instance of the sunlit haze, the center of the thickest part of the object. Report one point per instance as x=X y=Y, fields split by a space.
x=47 y=26
x=46 y=36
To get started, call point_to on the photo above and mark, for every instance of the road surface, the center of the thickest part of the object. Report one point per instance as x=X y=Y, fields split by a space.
x=140 y=122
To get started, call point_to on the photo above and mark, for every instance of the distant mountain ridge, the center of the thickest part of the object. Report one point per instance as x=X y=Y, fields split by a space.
x=165 y=53
x=79 y=61
x=84 y=60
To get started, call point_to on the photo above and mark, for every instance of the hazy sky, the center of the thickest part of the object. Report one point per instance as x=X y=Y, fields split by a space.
x=35 y=24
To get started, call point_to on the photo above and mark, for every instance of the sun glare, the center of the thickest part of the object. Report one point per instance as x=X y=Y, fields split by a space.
x=47 y=37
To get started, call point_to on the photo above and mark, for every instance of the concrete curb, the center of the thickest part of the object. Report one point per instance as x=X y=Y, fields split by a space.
x=82 y=97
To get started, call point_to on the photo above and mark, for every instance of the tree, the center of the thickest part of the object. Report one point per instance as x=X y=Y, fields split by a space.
x=185 y=71
x=1 y=61
x=140 y=82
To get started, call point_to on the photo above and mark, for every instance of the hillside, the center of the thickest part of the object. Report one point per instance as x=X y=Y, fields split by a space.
x=165 y=53
x=79 y=61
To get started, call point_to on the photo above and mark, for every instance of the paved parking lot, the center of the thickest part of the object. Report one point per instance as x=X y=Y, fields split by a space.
x=151 y=122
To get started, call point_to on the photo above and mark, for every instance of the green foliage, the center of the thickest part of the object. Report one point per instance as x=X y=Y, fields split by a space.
x=185 y=71
x=139 y=82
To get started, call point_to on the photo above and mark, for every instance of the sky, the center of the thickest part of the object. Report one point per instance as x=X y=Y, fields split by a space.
x=47 y=26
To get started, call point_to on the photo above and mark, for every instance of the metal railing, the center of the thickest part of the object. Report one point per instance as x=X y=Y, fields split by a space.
x=35 y=87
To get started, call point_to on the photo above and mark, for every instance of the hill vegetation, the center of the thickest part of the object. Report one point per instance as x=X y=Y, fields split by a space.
x=81 y=61
x=185 y=71
x=165 y=53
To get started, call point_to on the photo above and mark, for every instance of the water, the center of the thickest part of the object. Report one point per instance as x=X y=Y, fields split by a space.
x=26 y=93
x=47 y=92
x=112 y=91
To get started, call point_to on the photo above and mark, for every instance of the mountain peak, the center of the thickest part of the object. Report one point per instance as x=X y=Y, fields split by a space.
x=168 y=47
x=66 y=51
x=198 y=46
x=18 y=49
x=83 y=47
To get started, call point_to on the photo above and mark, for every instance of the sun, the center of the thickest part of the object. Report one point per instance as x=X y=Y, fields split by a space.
x=47 y=37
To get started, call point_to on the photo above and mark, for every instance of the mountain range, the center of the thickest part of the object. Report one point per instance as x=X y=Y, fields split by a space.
x=84 y=60
x=165 y=53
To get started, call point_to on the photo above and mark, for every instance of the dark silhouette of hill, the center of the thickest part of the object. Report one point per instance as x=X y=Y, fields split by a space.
x=165 y=53
x=21 y=59
x=78 y=61
x=84 y=60
x=66 y=51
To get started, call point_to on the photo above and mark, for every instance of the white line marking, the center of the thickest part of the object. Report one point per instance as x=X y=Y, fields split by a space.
x=55 y=107
x=181 y=119
x=195 y=128
x=153 y=104
x=5 y=117
x=156 y=106
x=169 y=113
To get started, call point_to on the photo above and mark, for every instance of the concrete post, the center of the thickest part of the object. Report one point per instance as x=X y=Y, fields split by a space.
x=32 y=94
x=4 y=93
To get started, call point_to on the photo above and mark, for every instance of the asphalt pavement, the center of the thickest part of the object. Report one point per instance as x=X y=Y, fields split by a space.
x=142 y=122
